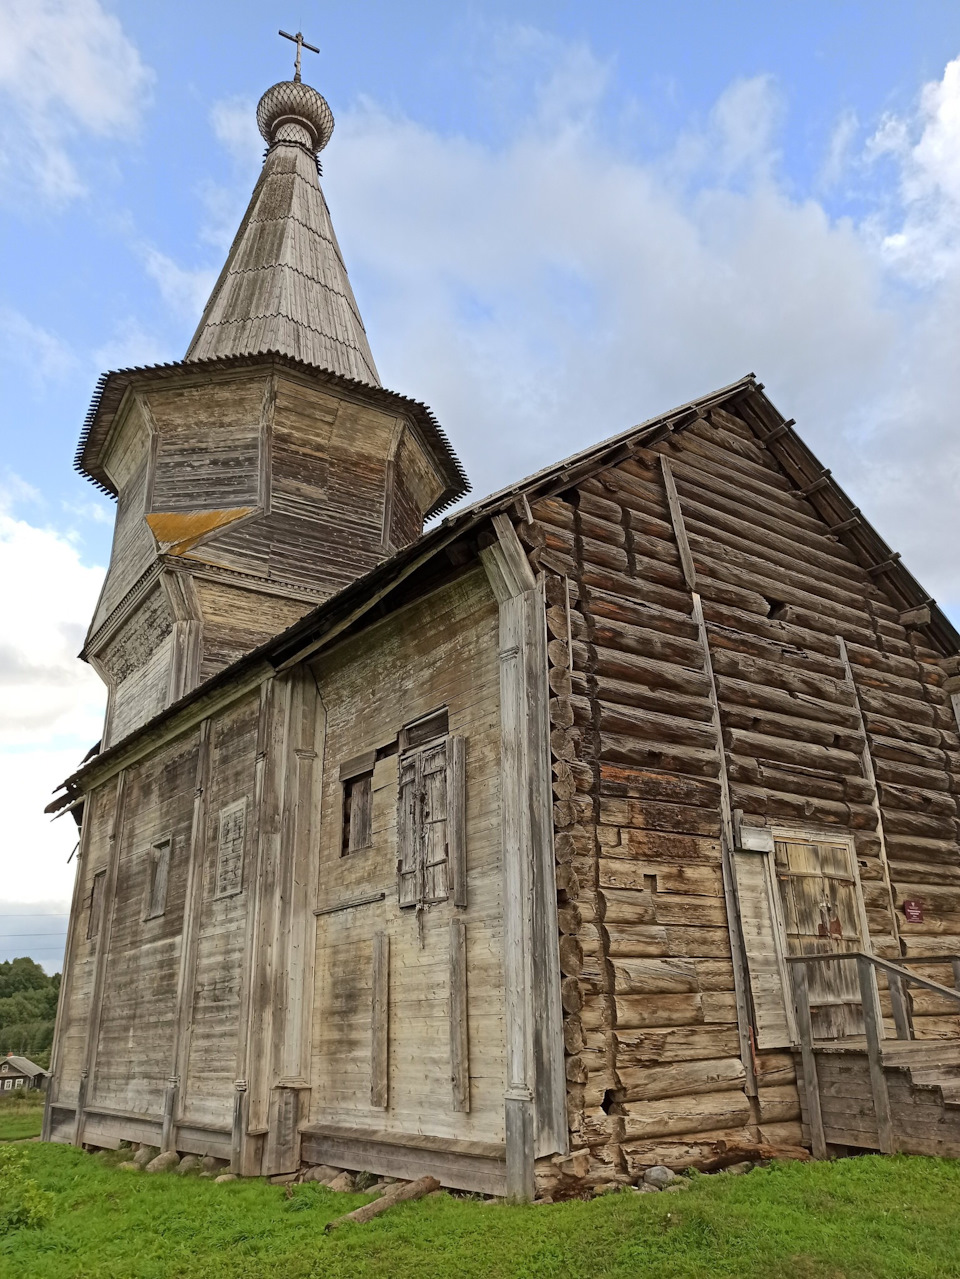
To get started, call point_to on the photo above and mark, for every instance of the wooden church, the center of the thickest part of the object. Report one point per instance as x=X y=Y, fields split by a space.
x=611 y=822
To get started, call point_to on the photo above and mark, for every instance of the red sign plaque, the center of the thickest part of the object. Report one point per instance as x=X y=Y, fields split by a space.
x=913 y=911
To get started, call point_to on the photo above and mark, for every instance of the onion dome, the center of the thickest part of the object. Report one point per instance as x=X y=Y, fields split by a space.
x=292 y=111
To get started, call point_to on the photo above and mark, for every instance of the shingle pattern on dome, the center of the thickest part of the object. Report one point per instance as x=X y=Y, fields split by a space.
x=284 y=286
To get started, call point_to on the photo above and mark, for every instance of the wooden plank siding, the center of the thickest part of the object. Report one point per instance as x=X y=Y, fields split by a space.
x=439 y=651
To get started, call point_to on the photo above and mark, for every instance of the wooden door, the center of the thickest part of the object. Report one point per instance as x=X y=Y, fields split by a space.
x=823 y=915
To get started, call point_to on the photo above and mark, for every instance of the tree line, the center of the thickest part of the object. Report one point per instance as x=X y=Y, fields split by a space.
x=28 y=1008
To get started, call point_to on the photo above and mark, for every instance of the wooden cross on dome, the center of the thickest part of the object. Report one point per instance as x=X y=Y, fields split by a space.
x=301 y=44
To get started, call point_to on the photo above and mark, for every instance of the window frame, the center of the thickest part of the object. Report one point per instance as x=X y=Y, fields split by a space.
x=413 y=867
x=354 y=771
x=225 y=856
x=97 y=892
x=161 y=859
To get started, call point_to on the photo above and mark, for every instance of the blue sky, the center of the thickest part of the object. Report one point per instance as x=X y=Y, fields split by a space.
x=559 y=219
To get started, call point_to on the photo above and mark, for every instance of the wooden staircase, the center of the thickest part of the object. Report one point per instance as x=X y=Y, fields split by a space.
x=869 y=1092
x=922 y=1078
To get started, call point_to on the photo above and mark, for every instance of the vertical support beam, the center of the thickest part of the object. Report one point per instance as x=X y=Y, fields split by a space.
x=253 y=1063
x=168 y=1129
x=731 y=901
x=66 y=983
x=459 y=1038
x=282 y=959
x=89 y=1068
x=873 y=1025
x=870 y=776
x=534 y=1099
x=808 y=1060
x=955 y=967
x=187 y=975
x=380 y=1023
x=901 y=1016
x=238 y=1132
x=679 y=528
x=457 y=818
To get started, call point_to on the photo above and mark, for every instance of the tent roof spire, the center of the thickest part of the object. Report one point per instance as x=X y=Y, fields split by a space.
x=284 y=286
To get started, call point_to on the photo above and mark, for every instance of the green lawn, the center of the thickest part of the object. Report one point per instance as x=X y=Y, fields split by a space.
x=869 y=1218
x=21 y=1115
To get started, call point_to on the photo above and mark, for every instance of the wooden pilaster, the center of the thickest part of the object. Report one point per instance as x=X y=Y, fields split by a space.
x=534 y=1101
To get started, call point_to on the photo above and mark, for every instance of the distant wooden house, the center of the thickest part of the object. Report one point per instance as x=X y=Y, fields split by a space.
x=20 y=1073
x=517 y=851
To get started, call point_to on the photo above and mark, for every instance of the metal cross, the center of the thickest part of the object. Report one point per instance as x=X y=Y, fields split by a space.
x=301 y=44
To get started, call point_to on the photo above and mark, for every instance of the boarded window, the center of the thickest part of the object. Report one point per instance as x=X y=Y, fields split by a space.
x=357 y=813
x=230 y=845
x=799 y=896
x=96 y=903
x=430 y=824
x=823 y=915
x=159 y=875
x=429 y=728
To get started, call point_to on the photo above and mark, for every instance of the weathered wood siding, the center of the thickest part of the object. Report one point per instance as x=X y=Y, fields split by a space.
x=134 y=1047
x=234 y=622
x=441 y=650
x=213 y=996
x=262 y=495
x=80 y=967
x=133 y=545
x=654 y=1056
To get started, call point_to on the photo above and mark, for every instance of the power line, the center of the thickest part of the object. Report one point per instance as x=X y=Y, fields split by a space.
x=33 y=914
x=3 y=935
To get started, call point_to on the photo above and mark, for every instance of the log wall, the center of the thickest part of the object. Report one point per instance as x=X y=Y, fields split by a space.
x=655 y=1060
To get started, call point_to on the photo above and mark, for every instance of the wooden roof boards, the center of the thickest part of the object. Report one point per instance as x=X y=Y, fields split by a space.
x=284 y=286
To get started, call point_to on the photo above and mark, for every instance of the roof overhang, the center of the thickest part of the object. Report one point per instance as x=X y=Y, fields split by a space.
x=113 y=387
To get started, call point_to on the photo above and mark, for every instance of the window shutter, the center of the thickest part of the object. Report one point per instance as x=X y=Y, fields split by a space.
x=96 y=904
x=434 y=800
x=408 y=823
x=360 y=832
x=160 y=871
x=233 y=823
x=758 y=921
x=457 y=818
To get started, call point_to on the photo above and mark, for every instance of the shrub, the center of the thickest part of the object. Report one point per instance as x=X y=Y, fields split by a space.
x=22 y=1203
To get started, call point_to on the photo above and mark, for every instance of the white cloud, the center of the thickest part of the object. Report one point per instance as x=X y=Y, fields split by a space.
x=185 y=291
x=130 y=344
x=926 y=147
x=34 y=350
x=840 y=150
x=66 y=68
x=548 y=289
x=51 y=704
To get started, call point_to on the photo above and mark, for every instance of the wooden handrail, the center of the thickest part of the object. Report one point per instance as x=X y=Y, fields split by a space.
x=867 y=967
x=885 y=964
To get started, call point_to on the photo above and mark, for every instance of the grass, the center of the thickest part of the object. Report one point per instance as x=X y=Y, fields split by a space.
x=867 y=1218
x=21 y=1114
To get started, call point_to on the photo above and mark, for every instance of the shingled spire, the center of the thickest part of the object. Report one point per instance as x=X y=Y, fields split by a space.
x=284 y=286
